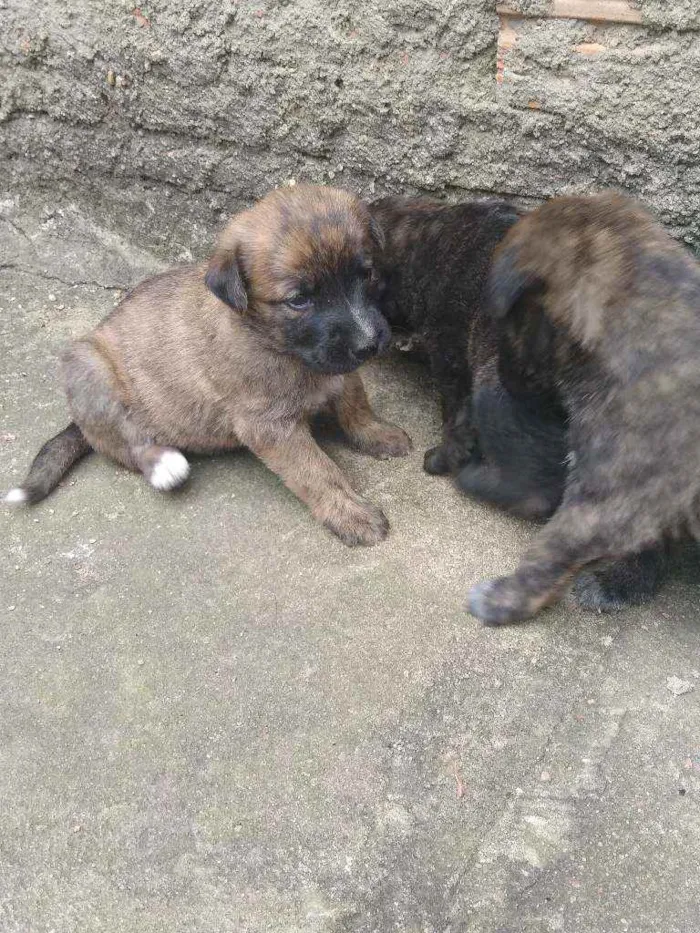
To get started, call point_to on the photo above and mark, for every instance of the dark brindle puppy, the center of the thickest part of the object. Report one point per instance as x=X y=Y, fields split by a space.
x=504 y=427
x=241 y=351
x=504 y=447
x=618 y=324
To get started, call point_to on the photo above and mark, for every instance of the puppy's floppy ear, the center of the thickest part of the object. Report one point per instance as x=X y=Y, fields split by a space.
x=525 y=333
x=225 y=278
x=377 y=233
x=508 y=282
x=526 y=343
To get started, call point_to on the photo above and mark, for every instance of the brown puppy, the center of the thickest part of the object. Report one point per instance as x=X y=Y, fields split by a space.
x=241 y=351
x=617 y=323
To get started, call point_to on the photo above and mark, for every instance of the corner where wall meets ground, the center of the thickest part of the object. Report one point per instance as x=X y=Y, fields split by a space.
x=164 y=118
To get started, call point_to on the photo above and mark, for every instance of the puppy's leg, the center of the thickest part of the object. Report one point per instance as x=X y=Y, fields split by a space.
x=315 y=479
x=576 y=535
x=459 y=445
x=627 y=582
x=459 y=437
x=435 y=461
x=93 y=394
x=362 y=427
x=524 y=441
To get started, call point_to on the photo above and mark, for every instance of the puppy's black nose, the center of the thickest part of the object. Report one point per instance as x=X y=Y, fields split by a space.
x=365 y=351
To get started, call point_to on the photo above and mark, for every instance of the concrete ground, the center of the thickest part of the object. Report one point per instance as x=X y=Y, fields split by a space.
x=215 y=717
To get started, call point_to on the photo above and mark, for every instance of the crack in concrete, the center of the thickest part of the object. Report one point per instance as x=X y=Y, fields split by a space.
x=18 y=229
x=56 y=278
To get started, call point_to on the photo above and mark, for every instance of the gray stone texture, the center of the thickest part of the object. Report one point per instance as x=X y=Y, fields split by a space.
x=166 y=118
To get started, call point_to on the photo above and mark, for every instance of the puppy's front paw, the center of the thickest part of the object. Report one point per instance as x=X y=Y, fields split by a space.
x=435 y=461
x=359 y=523
x=384 y=441
x=497 y=602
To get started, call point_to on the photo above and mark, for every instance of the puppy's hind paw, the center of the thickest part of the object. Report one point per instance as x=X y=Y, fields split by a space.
x=169 y=471
x=629 y=581
x=591 y=592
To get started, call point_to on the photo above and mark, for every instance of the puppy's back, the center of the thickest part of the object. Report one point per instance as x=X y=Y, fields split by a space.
x=435 y=259
x=175 y=350
x=610 y=271
x=622 y=299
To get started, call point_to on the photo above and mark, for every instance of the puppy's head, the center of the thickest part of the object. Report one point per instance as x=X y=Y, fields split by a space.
x=574 y=259
x=555 y=277
x=526 y=335
x=298 y=266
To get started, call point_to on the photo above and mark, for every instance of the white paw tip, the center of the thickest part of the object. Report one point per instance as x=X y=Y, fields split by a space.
x=170 y=471
x=15 y=496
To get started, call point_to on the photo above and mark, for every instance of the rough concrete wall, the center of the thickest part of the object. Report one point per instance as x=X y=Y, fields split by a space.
x=668 y=14
x=611 y=105
x=166 y=117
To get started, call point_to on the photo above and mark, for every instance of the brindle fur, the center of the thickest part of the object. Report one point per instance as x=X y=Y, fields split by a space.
x=213 y=357
x=507 y=448
x=619 y=319
x=504 y=427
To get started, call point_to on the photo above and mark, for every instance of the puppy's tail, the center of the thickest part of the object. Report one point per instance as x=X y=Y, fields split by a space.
x=50 y=465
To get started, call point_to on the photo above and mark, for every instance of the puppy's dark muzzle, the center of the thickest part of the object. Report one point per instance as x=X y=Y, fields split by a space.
x=368 y=350
x=375 y=345
x=341 y=345
x=365 y=353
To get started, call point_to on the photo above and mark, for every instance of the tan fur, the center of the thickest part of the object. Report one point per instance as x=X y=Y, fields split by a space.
x=176 y=367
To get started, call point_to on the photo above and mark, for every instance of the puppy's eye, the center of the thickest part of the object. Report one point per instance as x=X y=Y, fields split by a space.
x=298 y=302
